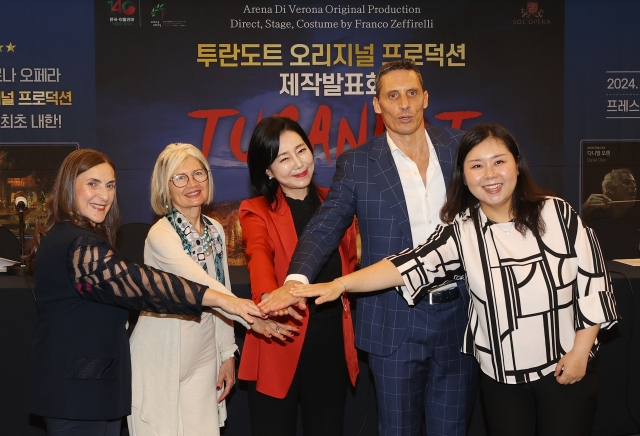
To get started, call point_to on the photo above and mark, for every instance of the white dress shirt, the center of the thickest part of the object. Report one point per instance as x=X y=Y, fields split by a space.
x=423 y=202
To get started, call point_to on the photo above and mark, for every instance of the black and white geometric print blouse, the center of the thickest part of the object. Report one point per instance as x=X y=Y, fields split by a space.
x=529 y=294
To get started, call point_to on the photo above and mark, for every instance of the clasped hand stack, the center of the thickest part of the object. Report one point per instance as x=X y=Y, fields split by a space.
x=253 y=315
x=290 y=299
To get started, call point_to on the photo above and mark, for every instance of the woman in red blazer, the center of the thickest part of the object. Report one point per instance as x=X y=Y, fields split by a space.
x=312 y=370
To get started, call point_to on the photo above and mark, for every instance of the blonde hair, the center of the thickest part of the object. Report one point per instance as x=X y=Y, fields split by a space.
x=169 y=160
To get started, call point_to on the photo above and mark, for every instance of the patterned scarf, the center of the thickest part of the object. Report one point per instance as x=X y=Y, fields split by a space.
x=194 y=245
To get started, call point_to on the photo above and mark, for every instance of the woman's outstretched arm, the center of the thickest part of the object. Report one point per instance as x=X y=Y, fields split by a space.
x=381 y=275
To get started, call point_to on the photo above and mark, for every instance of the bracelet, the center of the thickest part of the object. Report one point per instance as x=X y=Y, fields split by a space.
x=341 y=282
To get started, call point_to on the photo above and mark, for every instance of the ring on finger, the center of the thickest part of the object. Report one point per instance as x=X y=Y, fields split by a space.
x=277 y=329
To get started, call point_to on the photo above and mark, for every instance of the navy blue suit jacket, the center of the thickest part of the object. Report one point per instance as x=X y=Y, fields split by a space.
x=367 y=184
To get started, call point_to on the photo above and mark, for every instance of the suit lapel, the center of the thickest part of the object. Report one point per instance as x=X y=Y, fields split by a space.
x=385 y=175
x=284 y=226
x=444 y=153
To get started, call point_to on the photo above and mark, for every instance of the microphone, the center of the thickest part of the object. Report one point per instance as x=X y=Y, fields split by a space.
x=20 y=203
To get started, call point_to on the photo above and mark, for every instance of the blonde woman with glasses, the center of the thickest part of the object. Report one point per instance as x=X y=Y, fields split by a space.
x=184 y=367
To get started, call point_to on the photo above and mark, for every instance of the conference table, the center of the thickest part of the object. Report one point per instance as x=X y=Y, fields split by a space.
x=618 y=366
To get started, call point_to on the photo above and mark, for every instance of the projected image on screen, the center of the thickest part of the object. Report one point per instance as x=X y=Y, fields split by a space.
x=609 y=194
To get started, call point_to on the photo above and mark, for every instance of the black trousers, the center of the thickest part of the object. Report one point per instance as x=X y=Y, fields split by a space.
x=540 y=408
x=319 y=387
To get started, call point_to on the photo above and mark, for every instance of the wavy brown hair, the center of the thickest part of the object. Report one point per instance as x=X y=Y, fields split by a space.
x=61 y=202
x=527 y=198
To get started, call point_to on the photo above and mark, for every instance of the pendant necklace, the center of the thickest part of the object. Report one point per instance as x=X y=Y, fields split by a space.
x=509 y=227
x=207 y=243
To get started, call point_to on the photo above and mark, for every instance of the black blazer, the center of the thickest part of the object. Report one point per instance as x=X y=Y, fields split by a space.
x=81 y=367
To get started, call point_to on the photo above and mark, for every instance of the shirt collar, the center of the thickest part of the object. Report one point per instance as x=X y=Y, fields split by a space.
x=393 y=147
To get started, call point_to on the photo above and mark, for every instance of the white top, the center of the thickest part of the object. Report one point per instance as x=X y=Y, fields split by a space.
x=529 y=295
x=423 y=202
x=155 y=342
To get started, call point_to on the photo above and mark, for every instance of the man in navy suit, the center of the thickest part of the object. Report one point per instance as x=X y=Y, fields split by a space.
x=396 y=184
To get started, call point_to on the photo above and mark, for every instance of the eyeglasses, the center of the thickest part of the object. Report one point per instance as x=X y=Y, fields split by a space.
x=182 y=180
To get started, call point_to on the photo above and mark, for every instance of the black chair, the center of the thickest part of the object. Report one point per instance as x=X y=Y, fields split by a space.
x=130 y=244
x=130 y=241
x=618 y=238
x=9 y=245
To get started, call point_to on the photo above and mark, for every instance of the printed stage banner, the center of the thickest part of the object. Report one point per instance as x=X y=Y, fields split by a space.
x=206 y=72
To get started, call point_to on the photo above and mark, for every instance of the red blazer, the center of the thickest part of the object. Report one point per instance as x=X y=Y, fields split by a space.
x=270 y=239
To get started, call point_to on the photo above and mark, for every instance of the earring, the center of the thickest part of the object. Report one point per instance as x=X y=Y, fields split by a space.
x=270 y=177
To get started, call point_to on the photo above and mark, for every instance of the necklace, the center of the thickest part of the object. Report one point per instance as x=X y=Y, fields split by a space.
x=509 y=227
x=190 y=239
x=205 y=241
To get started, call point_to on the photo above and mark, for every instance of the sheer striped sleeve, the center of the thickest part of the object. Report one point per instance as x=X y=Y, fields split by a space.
x=100 y=274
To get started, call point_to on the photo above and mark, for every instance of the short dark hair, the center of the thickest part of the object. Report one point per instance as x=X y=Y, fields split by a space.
x=402 y=64
x=263 y=150
x=527 y=198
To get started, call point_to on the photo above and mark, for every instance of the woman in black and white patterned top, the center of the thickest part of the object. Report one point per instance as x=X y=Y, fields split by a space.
x=539 y=287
